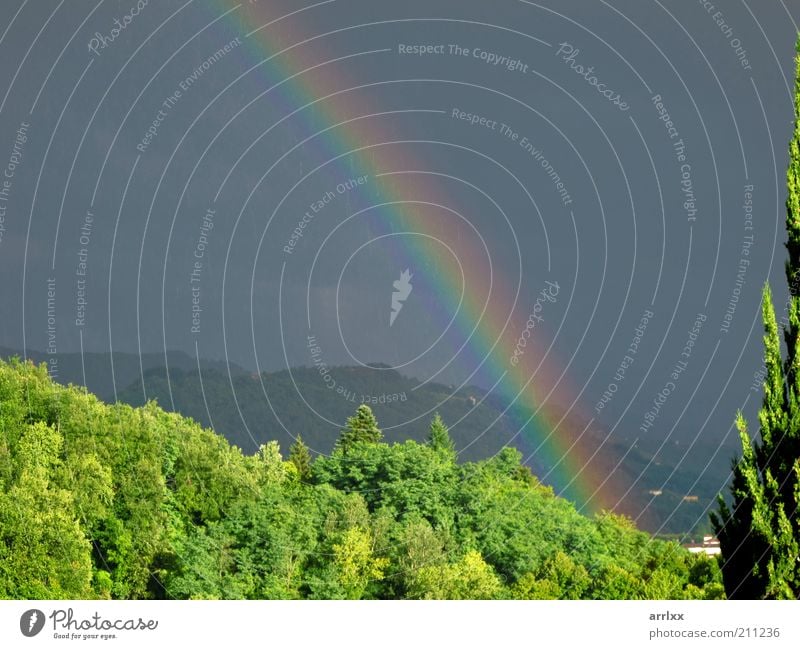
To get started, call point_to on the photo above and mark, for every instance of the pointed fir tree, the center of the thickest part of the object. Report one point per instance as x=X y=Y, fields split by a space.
x=300 y=456
x=439 y=438
x=760 y=534
x=361 y=427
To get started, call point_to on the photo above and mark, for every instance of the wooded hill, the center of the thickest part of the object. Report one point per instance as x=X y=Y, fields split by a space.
x=100 y=501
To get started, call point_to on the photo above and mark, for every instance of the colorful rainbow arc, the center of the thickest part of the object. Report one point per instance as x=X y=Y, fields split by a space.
x=492 y=328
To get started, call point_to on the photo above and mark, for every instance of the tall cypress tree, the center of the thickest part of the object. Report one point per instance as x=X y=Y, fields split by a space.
x=760 y=534
x=784 y=464
x=744 y=546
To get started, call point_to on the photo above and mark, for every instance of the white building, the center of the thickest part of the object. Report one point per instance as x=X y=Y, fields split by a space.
x=709 y=546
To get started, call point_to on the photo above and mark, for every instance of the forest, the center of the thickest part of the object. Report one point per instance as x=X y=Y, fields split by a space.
x=105 y=501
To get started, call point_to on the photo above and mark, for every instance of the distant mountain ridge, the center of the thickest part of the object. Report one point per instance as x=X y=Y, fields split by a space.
x=250 y=409
x=127 y=367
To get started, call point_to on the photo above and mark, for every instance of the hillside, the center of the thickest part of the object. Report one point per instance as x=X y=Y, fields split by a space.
x=479 y=429
x=251 y=409
x=100 y=501
x=270 y=407
x=100 y=373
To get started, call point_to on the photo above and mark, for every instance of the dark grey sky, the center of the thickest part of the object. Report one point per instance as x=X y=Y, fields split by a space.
x=655 y=220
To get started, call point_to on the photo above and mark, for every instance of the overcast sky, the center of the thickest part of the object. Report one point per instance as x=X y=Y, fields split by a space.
x=157 y=159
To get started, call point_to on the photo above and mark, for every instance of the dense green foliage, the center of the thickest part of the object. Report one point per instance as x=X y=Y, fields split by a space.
x=102 y=501
x=760 y=533
x=237 y=399
x=242 y=414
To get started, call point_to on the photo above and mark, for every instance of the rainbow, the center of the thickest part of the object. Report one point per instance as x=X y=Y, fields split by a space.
x=490 y=317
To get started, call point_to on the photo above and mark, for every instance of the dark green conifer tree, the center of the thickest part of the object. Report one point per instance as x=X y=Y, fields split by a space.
x=361 y=427
x=439 y=438
x=760 y=533
x=300 y=456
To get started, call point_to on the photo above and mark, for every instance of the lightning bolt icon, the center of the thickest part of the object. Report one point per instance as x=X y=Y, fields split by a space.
x=32 y=621
x=402 y=290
